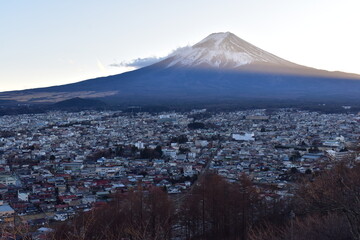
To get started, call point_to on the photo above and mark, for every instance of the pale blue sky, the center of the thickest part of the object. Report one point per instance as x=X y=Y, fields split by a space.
x=50 y=42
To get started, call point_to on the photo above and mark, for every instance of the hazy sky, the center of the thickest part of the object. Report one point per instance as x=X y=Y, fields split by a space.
x=51 y=42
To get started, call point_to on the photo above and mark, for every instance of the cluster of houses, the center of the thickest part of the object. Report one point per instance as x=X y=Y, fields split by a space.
x=56 y=164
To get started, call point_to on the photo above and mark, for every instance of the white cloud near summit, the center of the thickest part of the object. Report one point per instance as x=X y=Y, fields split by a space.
x=139 y=62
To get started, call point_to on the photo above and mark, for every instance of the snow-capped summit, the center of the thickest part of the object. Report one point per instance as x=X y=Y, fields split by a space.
x=222 y=50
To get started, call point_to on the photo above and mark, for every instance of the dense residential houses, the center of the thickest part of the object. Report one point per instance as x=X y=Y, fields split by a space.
x=56 y=164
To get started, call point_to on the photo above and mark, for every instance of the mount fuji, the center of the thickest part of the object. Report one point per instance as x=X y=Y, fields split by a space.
x=222 y=67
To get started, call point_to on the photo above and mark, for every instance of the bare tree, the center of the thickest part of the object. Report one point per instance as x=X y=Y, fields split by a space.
x=336 y=190
x=137 y=215
x=316 y=227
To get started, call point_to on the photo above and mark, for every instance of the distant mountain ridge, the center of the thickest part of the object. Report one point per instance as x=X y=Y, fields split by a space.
x=220 y=68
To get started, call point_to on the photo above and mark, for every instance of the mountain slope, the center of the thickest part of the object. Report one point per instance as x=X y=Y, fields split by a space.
x=79 y=103
x=222 y=67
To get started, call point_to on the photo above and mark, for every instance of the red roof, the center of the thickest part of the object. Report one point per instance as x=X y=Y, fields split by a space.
x=61 y=206
x=102 y=182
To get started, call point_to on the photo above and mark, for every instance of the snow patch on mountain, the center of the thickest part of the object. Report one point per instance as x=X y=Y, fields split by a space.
x=222 y=50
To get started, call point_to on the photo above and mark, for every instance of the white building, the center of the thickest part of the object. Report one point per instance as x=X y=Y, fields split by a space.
x=243 y=136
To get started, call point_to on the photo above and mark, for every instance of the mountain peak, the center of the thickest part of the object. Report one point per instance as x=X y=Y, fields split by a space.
x=220 y=39
x=222 y=50
x=226 y=42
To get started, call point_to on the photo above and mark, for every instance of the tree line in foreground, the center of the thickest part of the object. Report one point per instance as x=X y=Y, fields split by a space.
x=325 y=206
